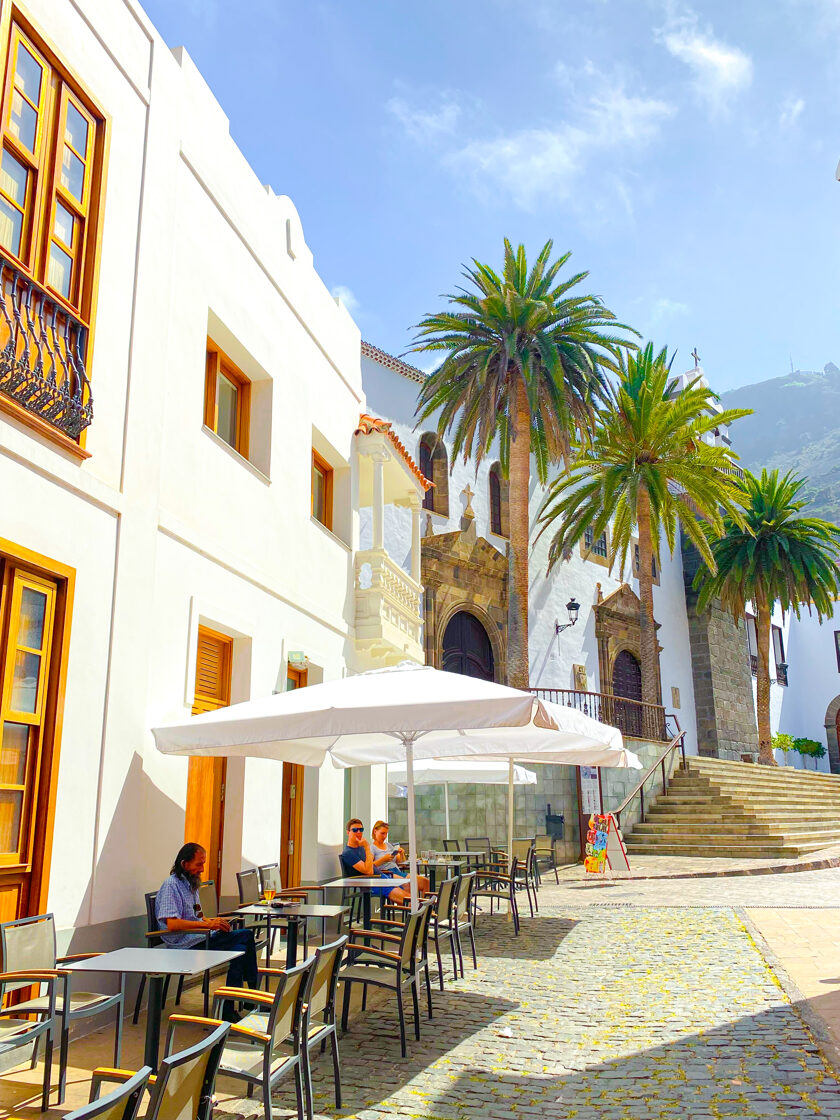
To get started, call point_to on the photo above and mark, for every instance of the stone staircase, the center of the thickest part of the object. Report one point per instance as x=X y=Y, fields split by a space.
x=740 y=810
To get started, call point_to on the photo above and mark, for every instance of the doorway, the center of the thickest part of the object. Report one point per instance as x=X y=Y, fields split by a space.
x=204 y=820
x=291 y=825
x=467 y=649
x=627 y=682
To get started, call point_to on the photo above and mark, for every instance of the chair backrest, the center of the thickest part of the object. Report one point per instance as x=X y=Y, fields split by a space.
x=150 y=898
x=452 y=845
x=207 y=899
x=521 y=846
x=249 y=886
x=462 y=897
x=270 y=877
x=185 y=1080
x=121 y=1104
x=26 y=945
x=411 y=936
x=543 y=840
x=324 y=979
x=447 y=896
x=478 y=844
x=286 y=1015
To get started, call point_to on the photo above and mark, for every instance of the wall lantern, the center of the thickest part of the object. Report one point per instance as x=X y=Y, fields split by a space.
x=573 y=607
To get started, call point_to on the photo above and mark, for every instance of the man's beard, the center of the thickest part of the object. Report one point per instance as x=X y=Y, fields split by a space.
x=193 y=880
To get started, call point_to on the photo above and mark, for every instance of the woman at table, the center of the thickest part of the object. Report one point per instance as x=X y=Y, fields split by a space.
x=387 y=856
x=179 y=914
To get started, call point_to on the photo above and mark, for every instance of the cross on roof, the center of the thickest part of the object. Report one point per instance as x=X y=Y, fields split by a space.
x=696 y=358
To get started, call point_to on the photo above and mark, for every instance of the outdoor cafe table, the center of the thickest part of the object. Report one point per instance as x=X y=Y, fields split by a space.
x=295 y=914
x=156 y=964
x=366 y=885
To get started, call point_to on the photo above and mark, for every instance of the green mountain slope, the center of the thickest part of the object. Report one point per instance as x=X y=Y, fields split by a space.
x=795 y=426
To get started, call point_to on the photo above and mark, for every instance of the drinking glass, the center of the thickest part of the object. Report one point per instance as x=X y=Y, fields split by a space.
x=269 y=893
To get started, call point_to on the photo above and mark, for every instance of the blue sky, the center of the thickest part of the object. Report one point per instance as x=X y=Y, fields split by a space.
x=685 y=154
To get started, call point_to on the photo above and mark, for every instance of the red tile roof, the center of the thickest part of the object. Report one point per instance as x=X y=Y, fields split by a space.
x=369 y=424
x=390 y=362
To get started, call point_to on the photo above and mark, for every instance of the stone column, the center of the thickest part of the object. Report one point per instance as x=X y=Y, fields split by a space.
x=380 y=458
x=416 y=510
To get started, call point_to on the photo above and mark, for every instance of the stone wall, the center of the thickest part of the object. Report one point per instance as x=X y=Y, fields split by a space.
x=723 y=695
x=481 y=810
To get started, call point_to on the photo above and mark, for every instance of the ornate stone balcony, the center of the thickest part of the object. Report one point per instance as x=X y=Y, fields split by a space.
x=43 y=349
x=389 y=624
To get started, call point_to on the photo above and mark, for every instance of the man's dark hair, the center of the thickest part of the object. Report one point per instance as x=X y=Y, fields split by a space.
x=186 y=854
x=351 y=822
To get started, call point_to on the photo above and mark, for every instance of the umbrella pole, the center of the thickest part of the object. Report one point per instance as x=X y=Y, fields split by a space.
x=510 y=815
x=412 y=827
x=446 y=806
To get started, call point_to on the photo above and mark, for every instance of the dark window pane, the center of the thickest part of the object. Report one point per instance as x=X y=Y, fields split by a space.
x=226 y=402
x=28 y=74
x=76 y=129
x=23 y=121
x=11 y=223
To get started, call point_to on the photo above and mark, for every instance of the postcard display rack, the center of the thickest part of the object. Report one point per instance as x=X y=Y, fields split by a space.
x=605 y=850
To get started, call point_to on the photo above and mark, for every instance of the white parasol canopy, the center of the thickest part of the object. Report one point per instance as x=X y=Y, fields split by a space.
x=401 y=714
x=430 y=772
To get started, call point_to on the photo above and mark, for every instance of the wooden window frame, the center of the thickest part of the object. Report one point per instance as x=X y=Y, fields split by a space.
x=588 y=553
x=60 y=87
x=837 y=648
x=654 y=566
x=45 y=795
x=219 y=364
x=320 y=463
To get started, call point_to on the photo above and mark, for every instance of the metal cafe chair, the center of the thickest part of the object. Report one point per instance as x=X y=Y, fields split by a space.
x=250 y=893
x=182 y=1088
x=122 y=1103
x=499 y=888
x=452 y=845
x=547 y=851
x=525 y=854
x=464 y=916
x=29 y=944
x=320 y=1021
x=394 y=971
x=481 y=844
x=15 y=1033
x=268 y=1044
x=270 y=877
x=443 y=924
x=155 y=941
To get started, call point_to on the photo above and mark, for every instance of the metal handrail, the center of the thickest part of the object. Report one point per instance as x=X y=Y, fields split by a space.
x=677 y=741
x=635 y=718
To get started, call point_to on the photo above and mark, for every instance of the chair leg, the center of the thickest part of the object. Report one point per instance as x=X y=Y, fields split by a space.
x=415 y=1002
x=336 y=1068
x=429 y=987
x=266 y=1095
x=401 y=1018
x=179 y=991
x=48 y=1053
x=165 y=992
x=345 y=1005
x=458 y=946
x=307 y=1080
x=36 y=1046
x=439 y=961
x=556 y=876
x=452 y=939
x=118 y=1033
x=62 y=1059
x=139 y=1000
x=205 y=987
x=364 y=997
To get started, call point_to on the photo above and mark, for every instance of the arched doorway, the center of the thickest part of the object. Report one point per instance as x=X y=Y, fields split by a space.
x=832 y=734
x=466 y=647
x=627 y=682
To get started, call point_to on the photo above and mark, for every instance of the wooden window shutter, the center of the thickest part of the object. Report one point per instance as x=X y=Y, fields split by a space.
x=212 y=671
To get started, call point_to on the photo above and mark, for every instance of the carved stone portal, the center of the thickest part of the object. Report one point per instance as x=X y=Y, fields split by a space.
x=617 y=628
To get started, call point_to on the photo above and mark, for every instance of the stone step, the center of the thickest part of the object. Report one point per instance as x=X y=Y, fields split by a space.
x=743 y=781
x=735 y=849
x=660 y=812
x=771 y=830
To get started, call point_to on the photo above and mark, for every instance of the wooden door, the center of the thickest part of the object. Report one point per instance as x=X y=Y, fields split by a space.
x=27 y=623
x=204 y=821
x=466 y=647
x=627 y=682
x=291 y=823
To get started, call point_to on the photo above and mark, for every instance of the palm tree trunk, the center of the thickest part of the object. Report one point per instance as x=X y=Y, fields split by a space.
x=650 y=655
x=520 y=476
x=762 y=686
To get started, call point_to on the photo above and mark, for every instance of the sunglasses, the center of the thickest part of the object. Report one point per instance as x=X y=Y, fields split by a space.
x=357 y=830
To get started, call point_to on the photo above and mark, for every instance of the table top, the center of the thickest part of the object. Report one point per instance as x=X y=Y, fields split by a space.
x=295 y=910
x=172 y=962
x=363 y=881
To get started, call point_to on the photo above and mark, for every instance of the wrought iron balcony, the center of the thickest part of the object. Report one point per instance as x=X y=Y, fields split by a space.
x=43 y=349
x=754 y=664
x=389 y=625
x=631 y=717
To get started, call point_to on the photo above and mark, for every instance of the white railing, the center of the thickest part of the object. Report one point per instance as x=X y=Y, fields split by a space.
x=388 y=607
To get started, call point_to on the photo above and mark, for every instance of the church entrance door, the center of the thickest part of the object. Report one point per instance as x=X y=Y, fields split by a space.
x=466 y=647
x=627 y=682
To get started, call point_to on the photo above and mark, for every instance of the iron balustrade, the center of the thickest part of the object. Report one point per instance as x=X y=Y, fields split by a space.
x=44 y=349
x=632 y=717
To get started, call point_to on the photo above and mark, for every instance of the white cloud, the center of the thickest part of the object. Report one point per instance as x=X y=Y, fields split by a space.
x=790 y=111
x=664 y=309
x=344 y=294
x=534 y=162
x=720 y=71
x=427 y=123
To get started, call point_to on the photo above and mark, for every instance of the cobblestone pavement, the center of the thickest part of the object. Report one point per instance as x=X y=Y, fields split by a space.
x=628 y=1012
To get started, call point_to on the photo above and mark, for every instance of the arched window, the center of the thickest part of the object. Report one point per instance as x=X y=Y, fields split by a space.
x=435 y=466
x=498 y=502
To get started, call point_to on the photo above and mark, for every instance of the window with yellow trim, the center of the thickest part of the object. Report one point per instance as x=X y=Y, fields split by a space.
x=28 y=610
x=227 y=400
x=50 y=171
x=322 y=490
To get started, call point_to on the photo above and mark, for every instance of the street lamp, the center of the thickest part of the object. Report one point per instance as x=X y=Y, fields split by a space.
x=573 y=607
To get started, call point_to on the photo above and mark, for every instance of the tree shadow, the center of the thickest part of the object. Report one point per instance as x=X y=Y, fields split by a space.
x=538 y=939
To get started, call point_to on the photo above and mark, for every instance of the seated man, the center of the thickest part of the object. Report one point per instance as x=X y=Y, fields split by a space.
x=178 y=912
x=386 y=855
x=357 y=859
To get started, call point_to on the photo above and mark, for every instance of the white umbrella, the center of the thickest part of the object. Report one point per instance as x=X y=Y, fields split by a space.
x=431 y=772
x=401 y=714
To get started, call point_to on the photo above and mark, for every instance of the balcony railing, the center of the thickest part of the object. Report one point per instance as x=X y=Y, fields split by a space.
x=43 y=349
x=388 y=603
x=631 y=717
x=754 y=663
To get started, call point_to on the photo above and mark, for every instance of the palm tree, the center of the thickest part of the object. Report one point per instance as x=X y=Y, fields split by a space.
x=525 y=363
x=648 y=468
x=775 y=556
